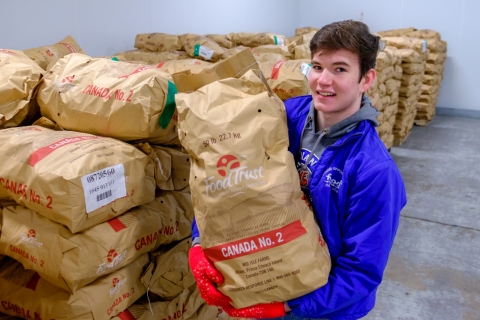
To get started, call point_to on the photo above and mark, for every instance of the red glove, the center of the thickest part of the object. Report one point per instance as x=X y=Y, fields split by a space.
x=262 y=310
x=207 y=276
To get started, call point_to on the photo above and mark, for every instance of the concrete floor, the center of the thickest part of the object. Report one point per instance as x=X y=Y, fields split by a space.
x=434 y=267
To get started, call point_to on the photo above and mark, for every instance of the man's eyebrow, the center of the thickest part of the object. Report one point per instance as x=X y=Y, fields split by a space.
x=341 y=63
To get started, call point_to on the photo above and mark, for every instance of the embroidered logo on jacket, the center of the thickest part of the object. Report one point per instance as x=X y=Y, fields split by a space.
x=333 y=178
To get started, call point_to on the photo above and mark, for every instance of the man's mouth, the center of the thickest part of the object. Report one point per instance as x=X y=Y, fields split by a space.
x=326 y=94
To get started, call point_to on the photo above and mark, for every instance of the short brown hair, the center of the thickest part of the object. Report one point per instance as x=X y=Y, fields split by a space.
x=350 y=35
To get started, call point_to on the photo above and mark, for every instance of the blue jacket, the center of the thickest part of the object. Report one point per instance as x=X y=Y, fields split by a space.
x=357 y=193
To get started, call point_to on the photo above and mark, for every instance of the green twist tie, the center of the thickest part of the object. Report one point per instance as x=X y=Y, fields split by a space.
x=170 y=106
x=114 y=59
x=275 y=39
x=196 y=50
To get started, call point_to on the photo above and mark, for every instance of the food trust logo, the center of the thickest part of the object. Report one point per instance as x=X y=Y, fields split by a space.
x=30 y=238
x=233 y=173
x=117 y=284
x=113 y=260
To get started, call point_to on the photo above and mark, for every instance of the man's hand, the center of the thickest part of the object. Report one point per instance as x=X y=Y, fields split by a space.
x=262 y=310
x=207 y=276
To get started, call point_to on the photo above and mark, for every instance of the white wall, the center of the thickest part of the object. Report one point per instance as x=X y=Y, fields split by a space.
x=456 y=20
x=106 y=27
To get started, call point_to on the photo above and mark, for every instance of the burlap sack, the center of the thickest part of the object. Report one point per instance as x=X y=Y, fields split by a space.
x=433 y=68
x=151 y=58
x=237 y=65
x=386 y=100
x=392 y=85
x=424 y=34
x=259 y=39
x=303 y=52
x=47 y=54
x=411 y=80
x=395 y=32
x=383 y=61
x=392 y=54
x=394 y=97
x=285 y=51
x=382 y=89
x=269 y=57
x=159 y=42
x=429 y=98
x=410 y=56
x=27 y=295
x=384 y=128
x=406 y=103
x=410 y=90
x=397 y=72
x=253 y=223
x=432 y=79
x=76 y=179
x=380 y=118
x=172 y=167
x=223 y=40
x=110 y=98
x=376 y=101
x=19 y=76
x=72 y=261
x=390 y=111
x=172 y=273
x=386 y=74
x=201 y=47
x=287 y=79
x=419 y=45
x=374 y=87
x=233 y=51
x=436 y=57
x=413 y=68
x=426 y=89
x=305 y=30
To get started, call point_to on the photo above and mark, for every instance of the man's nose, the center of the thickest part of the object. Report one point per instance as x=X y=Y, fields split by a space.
x=325 y=77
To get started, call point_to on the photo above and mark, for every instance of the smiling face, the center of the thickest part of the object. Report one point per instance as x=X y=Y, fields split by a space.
x=336 y=89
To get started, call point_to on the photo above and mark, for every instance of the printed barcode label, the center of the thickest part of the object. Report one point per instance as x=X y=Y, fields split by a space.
x=278 y=41
x=104 y=195
x=305 y=68
x=206 y=52
x=103 y=187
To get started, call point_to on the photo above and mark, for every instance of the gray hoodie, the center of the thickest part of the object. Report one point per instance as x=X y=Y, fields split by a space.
x=314 y=142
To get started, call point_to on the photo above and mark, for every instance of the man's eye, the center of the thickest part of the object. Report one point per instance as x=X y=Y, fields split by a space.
x=317 y=67
x=341 y=70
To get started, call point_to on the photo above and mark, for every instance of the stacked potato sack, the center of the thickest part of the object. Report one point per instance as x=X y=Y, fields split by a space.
x=47 y=56
x=89 y=210
x=413 y=53
x=19 y=77
x=395 y=32
x=433 y=76
x=384 y=93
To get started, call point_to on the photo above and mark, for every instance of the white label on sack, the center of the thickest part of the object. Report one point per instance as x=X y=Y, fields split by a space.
x=103 y=187
x=383 y=44
x=424 y=45
x=206 y=52
x=305 y=68
x=279 y=41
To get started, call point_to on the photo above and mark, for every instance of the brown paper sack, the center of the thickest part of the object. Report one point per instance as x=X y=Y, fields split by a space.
x=72 y=261
x=19 y=76
x=172 y=167
x=419 y=45
x=305 y=30
x=269 y=57
x=172 y=273
x=159 y=42
x=285 y=51
x=174 y=66
x=253 y=223
x=233 y=51
x=50 y=54
x=27 y=295
x=188 y=305
x=259 y=39
x=47 y=123
x=76 y=179
x=223 y=40
x=110 y=98
x=395 y=32
x=151 y=58
x=303 y=52
x=201 y=47
x=288 y=79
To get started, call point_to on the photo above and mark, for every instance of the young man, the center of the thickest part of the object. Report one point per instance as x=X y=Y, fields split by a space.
x=353 y=184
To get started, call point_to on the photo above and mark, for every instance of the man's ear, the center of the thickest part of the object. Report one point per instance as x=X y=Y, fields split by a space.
x=367 y=80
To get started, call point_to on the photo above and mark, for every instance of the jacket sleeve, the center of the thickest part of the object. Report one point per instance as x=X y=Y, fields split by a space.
x=368 y=230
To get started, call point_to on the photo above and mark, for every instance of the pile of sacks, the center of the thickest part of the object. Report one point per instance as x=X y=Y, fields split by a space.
x=384 y=93
x=89 y=191
x=413 y=55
